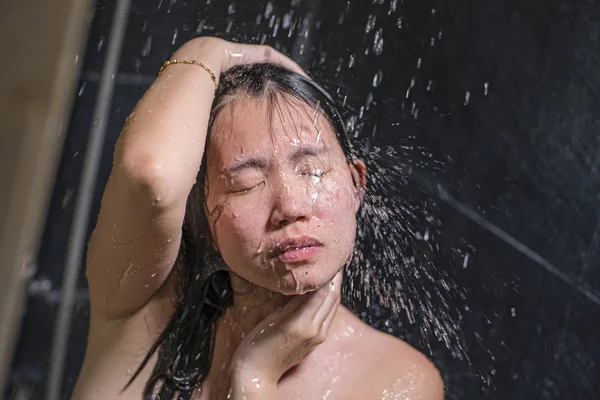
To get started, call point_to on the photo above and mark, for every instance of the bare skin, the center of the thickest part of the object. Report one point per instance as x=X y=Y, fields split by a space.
x=286 y=335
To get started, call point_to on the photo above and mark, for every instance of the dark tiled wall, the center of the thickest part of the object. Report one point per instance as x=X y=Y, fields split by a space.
x=505 y=95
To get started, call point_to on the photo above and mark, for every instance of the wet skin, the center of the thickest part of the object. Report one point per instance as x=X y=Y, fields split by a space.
x=287 y=199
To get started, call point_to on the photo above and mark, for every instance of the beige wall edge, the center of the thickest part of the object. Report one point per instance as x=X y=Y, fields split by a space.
x=42 y=46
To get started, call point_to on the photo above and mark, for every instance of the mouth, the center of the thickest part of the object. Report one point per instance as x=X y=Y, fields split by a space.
x=296 y=249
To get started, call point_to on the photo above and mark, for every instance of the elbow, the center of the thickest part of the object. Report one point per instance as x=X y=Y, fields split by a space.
x=149 y=179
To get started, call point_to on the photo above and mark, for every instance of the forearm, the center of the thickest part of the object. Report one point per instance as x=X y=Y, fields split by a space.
x=163 y=139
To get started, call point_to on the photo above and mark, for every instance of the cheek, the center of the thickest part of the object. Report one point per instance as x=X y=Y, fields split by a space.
x=336 y=203
x=239 y=227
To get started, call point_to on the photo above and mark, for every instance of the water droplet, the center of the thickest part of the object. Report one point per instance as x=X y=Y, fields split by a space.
x=369 y=100
x=486 y=87
x=370 y=23
x=467 y=97
x=351 y=61
x=175 y=33
x=351 y=123
x=399 y=22
x=378 y=42
x=100 y=43
x=200 y=27
x=82 y=88
x=287 y=20
x=377 y=78
x=513 y=312
x=269 y=9
x=147 y=46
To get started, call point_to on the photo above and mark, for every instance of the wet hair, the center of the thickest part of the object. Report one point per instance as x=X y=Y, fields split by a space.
x=185 y=347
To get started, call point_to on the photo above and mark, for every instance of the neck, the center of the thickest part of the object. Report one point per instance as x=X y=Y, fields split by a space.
x=251 y=305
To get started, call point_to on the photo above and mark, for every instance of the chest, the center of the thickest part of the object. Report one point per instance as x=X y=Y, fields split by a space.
x=335 y=377
x=339 y=376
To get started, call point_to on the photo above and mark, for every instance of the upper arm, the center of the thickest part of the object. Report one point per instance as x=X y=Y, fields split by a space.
x=133 y=246
x=423 y=382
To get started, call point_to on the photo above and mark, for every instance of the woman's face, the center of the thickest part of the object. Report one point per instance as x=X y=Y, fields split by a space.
x=284 y=195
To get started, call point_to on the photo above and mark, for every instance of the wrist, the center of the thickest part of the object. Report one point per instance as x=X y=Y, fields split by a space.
x=206 y=50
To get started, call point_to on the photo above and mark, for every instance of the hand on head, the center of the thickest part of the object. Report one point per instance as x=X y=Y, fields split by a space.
x=230 y=54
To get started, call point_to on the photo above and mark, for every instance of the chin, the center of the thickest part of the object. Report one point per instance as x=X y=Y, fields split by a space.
x=301 y=279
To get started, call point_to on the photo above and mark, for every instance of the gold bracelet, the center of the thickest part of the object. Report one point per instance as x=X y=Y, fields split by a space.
x=198 y=63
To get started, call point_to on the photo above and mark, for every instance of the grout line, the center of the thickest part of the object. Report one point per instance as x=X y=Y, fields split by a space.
x=591 y=253
x=501 y=234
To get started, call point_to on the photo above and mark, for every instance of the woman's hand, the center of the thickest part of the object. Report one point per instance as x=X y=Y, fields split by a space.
x=282 y=340
x=220 y=55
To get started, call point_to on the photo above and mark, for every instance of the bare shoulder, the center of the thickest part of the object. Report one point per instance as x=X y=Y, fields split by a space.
x=401 y=371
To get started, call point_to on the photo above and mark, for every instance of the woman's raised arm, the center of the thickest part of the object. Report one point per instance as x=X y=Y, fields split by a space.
x=156 y=160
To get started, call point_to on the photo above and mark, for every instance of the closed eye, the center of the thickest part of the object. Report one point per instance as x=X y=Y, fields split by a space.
x=317 y=173
x=248 y=189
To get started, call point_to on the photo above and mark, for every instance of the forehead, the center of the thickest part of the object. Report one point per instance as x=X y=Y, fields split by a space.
x=253 y=126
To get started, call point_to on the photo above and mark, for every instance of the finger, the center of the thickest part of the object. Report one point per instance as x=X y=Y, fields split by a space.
x=330 y=302
x=330 y=317
x=249 y=54
x=276 y=57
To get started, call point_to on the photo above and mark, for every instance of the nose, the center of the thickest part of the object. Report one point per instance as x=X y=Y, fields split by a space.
x=291 y=204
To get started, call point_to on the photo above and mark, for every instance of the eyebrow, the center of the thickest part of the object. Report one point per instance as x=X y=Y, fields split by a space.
x=261 y=164
x=307 y=151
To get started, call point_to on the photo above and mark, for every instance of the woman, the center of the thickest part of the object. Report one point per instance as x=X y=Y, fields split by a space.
x=243 y=301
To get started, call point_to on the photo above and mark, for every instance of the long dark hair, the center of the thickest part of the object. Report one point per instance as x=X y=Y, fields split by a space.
x=185 y=347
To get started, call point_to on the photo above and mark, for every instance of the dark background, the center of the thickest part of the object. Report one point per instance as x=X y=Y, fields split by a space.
x=505 y=96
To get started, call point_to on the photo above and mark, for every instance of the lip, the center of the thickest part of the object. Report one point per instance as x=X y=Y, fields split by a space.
x=296 y=249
